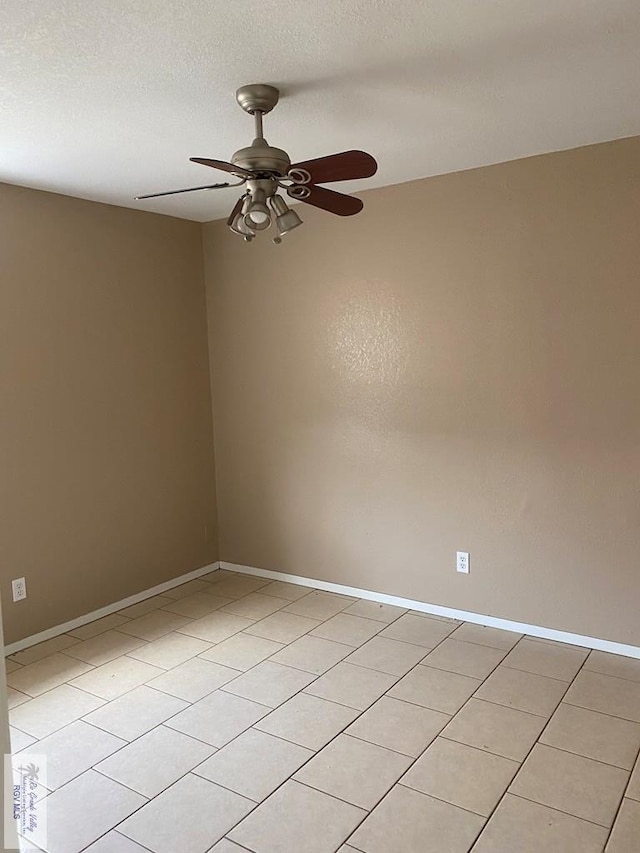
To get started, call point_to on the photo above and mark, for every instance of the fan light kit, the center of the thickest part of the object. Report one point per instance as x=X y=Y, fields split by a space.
x=265 y=170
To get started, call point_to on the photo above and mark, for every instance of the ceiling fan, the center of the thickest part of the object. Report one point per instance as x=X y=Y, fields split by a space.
x=265 y=170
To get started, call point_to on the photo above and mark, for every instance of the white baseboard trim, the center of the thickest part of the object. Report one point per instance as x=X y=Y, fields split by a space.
x=382 y=598
x=438 y=610
x=108 y=610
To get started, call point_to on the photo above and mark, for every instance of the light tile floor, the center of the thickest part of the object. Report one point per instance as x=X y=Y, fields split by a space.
x=235 y=714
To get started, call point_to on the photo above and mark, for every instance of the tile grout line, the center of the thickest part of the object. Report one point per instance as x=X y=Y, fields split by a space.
x=537 y=741
x=146 y=684
x=360 y=712
x=482 y=681
x=110 y=609
x=93 y=667
x=499 y=705
x=561 y=811
x=528 y=672
x=315 y=752
x=529 y=751
x=473 y=696
x=428 y=652
x=143 y=684
x=129 y=619
x=531 y=631
x=183 y=776
x=439 y=734
x=190 y=704
x=624 y=795
x=127 y=692
x=447 y=802
x=608 y=674
x=383 y=625
x=542 y=743
x=347 y=840
x=454 y=626
x=520 y=763
x=602 y=713
x=340 y=732
x=579 y=755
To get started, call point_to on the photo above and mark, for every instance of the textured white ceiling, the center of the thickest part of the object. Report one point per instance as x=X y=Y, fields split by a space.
x=105 y=100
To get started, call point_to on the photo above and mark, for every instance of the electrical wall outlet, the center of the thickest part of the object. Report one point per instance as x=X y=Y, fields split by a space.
x=462 y=562
x=19 y=589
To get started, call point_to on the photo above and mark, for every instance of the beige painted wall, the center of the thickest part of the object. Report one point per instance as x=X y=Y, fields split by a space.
x=456 y=368
x=107 y=483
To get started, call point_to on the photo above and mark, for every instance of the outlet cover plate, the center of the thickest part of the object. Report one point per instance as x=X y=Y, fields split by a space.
x=19 y=589
x=462 y=562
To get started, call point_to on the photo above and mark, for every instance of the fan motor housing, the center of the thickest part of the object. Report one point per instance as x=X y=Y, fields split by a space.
x=262 y=157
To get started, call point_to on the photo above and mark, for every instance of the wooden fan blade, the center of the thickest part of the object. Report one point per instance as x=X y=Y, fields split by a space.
x=346 y=166
x=338 y=203
x=190 y=190
x=236 y=210
x=224 y=166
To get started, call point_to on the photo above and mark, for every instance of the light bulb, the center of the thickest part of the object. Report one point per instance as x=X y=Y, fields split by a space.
x=258 y=217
